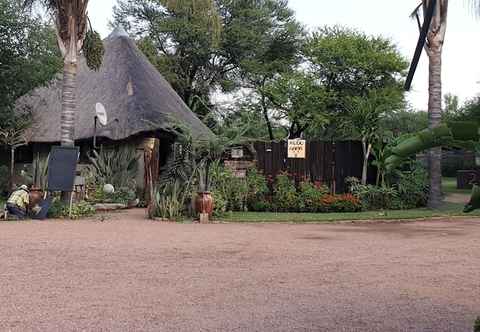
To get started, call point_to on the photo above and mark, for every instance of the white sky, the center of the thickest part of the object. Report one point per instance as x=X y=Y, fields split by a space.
x=390 y=18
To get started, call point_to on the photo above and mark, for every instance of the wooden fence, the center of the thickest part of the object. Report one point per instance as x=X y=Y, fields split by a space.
x=327 y=162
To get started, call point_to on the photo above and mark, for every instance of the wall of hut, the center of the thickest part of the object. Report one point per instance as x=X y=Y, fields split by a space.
x=144 y=144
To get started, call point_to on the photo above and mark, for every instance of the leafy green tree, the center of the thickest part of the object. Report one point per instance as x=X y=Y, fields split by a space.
x=350 y=64
x=300 y=101
x=452 y=106
x=276 y=40
x=470 y=111
x=404 y=121
x=28 y=57
x=363 y=119
x=244 y=111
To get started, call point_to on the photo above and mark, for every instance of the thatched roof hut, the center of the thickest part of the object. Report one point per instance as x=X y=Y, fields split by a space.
x=137 y=98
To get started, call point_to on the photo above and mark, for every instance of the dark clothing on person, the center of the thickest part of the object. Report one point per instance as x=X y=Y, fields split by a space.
x=16 y=211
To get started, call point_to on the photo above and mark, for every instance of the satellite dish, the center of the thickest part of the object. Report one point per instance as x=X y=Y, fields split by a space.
x=101 y=114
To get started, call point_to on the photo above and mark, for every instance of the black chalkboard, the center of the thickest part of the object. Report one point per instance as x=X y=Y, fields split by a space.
x=62 y=167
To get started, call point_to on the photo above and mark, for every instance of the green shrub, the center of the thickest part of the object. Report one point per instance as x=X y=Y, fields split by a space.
x=121 y=196
x=232 y=190
x=347 y=203
x=374 y=197
x=56 y=209
x=261 y=205
x=412 y=187
x=310 y=196
x=257 y=183
x=285 y=197
x=258 y=191
x=59 y=209
x=219 y=205
x=170 y=201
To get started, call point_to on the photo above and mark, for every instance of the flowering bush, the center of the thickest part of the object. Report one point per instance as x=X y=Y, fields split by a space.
x=310 y=196
x=340 y=203
x=257 y=191
x=285 y=197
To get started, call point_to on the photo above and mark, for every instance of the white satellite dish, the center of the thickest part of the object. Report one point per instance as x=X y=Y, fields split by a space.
x=101 y=114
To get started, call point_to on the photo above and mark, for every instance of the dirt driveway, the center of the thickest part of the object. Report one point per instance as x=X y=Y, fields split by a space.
x=130 y=274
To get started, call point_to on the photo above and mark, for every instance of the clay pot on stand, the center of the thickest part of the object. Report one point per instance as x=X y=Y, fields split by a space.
x=35 y=196
x=204 y=205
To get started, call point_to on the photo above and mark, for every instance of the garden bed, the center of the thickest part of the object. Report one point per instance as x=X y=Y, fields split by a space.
x=447 y=211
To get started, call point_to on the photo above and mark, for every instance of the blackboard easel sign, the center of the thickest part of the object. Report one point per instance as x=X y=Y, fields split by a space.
x=62 y=168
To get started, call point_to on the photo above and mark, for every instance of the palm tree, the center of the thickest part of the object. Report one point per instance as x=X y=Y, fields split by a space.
x=72 y=29
x=434 y=48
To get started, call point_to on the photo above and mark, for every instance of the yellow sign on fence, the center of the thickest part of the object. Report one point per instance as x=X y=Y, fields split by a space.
x=297 y=148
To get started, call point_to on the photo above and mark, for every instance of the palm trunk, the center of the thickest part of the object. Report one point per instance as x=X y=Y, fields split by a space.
x=434 y=119
x=68 y=104
x=69 y=49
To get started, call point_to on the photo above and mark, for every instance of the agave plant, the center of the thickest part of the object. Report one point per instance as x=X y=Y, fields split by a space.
x=170 y=201
x=116 y=167
x=178 y=179
x=189 y=166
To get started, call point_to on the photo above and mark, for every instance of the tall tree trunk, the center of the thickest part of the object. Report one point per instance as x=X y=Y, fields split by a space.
x=69 y=48
x=68 y=104
x=434 y=119
x=267 y=119
x=434 y=47
x=367 y=148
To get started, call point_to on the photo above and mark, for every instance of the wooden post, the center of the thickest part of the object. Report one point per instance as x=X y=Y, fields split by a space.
x=151 y=157
x=12 y=166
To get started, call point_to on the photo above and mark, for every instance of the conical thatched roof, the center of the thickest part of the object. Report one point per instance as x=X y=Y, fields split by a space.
x=128 y=85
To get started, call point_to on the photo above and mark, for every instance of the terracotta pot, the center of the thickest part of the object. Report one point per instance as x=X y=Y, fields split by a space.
x=36 y=196
x=204 y=203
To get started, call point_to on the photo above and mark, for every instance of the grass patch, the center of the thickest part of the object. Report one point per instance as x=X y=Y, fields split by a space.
x=449 y=186
x=448 y=210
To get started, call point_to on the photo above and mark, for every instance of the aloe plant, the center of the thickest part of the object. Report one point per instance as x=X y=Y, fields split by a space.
x=118 y=167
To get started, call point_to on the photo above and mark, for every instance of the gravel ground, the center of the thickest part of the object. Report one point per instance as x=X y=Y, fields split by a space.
x=131 y=274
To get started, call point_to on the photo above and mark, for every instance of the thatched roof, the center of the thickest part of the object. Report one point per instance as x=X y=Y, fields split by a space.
x=128 y=85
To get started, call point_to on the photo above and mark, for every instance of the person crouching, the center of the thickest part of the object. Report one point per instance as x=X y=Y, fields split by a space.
x=18 y=202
